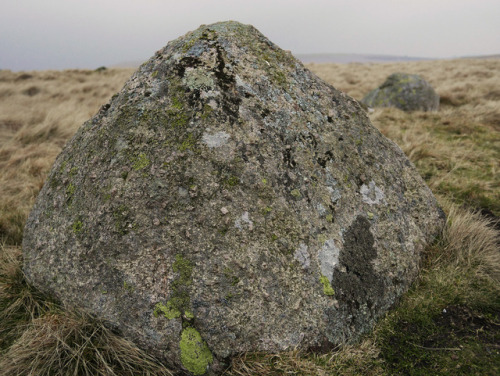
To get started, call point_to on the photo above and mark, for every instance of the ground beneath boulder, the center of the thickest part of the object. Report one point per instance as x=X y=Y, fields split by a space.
x=457 y=341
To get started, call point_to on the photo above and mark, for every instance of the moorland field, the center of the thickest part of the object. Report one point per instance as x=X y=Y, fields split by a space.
x=447 y=324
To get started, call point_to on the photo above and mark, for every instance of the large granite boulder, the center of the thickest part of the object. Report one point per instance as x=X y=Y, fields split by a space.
x=228 y=200
x=408 y=92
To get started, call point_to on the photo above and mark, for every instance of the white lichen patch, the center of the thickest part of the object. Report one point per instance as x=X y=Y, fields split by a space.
x=328 y=257
x=197 y=79
x=121 y=144
x=215 y=140
x=371 y=194
x=302 y=256
x=213 y=104
x=321 y=209
x=244 y=222
x=334 y=194
x=244 y=86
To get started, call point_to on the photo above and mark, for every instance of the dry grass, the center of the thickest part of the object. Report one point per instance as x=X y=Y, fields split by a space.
x=456 y=150
x=37 y=337
x=362 y=359
x=19 y=302
x=71 y=344
x=39 y=112
x=470 y=241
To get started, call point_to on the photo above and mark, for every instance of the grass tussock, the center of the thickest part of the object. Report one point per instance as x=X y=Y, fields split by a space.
x=470 y=241
x=447 y=324
x=37 y=337
x=71 y=344
x=19 y=302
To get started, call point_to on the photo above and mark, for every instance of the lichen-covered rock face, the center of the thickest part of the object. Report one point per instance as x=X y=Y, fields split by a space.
x=408 y=92
x=228 y=200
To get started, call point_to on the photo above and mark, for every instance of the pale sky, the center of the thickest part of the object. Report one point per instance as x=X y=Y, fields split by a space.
x=60 y=34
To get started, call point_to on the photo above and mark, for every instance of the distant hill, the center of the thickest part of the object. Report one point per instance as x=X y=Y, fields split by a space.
x=354 y=58
x=344 y=59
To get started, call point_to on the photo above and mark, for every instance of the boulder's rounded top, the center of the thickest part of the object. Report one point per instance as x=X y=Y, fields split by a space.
x=399 y=78
x=408 y=92
x=225 y=27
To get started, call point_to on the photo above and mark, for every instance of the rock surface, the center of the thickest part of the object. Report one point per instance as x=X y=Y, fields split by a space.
x=408 y=92
x=228 y=200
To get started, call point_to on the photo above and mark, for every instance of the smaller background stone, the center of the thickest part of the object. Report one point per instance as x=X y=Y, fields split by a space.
x=408 y=92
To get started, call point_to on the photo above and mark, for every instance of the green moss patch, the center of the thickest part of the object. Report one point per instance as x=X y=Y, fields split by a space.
x=168 y=310
x=179 y=300
x=77 y=227
x=70 y=190
x=122 y=218
x=327 y=287
x=444 y=326
x=195 y=354
x=141 y=162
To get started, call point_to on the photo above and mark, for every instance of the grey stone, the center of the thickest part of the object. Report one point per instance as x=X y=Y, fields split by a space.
x=408 y=92
x=228 y=200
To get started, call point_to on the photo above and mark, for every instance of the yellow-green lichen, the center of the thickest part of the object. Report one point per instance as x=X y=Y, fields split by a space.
x=207 y=111
x=189 y=143
x=177 y=102
x=280 y=78
x=187 y=46
x=177 y=115
x=73 y=171
x=195 y=354
x=184 y=267
x=77 y=227
x=141 y=162
x=127 y=286
x=63 y=166
x=230 y=181
x=180 y=300
x=267 y=210
x=230 y=275
x=70 y=190
x=168 y=310
x=329 y=218
x=327 y=287
x=121 y=216
x=295 y=193
x=178 y=118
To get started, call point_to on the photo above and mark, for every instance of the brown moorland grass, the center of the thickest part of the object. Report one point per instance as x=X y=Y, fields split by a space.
x=447 y=324
x=457 y=149
x=39 y=112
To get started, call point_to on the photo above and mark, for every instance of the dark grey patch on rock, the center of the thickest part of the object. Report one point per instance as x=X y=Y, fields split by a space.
x=408 y=92
x=358 y=287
